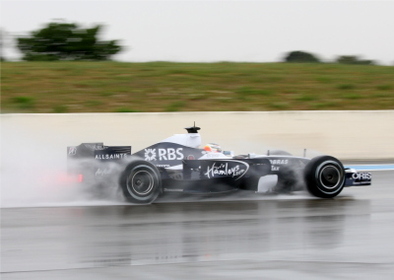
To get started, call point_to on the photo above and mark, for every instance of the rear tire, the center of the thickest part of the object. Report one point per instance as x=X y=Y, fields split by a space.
x=324 y=176
x=140 y=182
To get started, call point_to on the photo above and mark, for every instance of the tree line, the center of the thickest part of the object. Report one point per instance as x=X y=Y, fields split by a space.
x=305 y=57
x=68 y=41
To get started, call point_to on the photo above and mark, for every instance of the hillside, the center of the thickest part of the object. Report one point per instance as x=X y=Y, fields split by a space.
x=59 y=87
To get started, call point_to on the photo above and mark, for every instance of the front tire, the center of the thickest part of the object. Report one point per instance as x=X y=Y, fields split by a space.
x=324 y=176
x=140 y=182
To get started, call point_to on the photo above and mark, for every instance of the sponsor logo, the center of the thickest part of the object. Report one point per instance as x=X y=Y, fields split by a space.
x=163 y=154
x=362 y=176
x=150 y=154
x=279 y=161
x=276 y=162
x=226 y=169
x=72 y=151
x=111 y=156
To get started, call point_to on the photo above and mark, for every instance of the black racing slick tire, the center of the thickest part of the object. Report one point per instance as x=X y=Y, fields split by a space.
x=140 y=182
x=324 y=176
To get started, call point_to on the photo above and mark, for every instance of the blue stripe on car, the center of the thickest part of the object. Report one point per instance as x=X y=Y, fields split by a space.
x=371 y=167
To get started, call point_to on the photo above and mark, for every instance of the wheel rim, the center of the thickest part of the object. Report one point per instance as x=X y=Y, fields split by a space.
x=330 y=177
x=141 y=182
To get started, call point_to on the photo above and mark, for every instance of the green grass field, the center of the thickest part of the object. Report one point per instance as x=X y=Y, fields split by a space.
x=65 y=87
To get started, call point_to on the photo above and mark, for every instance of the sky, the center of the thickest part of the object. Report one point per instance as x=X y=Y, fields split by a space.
x=208 y=31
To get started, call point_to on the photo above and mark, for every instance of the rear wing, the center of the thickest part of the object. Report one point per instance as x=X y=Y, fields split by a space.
x=98 y=151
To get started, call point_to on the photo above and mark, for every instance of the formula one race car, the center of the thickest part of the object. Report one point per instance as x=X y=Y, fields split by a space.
x=179 y=164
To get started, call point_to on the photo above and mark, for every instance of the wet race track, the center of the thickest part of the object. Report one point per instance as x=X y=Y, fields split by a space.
x=237 y=236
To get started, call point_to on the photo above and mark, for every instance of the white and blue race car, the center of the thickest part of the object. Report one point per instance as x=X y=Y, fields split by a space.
x=179 y=164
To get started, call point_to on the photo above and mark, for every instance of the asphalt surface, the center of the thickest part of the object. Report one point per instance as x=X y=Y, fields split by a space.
x=238 y=236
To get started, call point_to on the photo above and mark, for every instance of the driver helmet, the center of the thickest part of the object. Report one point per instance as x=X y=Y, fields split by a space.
x=212 y=147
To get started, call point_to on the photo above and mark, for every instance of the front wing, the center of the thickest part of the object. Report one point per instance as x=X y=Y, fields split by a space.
x=357 y=178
